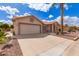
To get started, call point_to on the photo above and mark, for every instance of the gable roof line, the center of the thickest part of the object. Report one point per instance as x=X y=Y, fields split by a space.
x=18 y=17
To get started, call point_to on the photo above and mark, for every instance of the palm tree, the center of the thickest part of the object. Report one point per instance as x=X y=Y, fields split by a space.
x=61 y=14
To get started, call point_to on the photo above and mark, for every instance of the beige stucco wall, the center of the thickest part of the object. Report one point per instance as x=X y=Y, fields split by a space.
x=52 y=28
x=55 y=26
x=24 y=20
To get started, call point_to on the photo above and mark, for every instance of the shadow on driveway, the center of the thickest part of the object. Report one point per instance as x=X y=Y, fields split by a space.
x=31 y=36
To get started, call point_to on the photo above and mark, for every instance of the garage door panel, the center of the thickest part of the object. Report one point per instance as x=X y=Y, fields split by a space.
x=29 y=29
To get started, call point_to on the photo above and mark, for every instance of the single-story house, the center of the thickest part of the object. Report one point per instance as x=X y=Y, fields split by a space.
x=32 y=25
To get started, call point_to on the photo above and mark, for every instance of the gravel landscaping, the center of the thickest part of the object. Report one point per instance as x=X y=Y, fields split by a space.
x=13 y=50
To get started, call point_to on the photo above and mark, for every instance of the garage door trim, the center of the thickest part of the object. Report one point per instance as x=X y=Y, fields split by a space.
x=27 y=24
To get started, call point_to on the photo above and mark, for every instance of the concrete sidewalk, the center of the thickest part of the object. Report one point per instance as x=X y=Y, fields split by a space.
x=73 y=50
x=57 y=50
x=49 y=45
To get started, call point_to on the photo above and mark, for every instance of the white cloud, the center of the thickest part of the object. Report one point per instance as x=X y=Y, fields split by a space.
x=66 y=6
x=11 y=16
x=9 y=9
x=25 y=14
x=6 y=21
x=50 y=16
x=57 y=6
x=72 y=21
x=2 y=20
x=41 y=6
x=47 y=20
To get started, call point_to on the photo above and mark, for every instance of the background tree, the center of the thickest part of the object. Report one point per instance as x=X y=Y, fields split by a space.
x=5 y=27
x=1 y=24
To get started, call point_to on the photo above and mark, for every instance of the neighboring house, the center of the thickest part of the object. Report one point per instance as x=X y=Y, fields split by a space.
x=32 y=25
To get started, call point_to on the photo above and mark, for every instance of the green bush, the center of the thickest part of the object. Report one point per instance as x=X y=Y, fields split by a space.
x=2 y=37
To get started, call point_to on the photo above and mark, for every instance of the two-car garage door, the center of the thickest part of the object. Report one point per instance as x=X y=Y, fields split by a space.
x=29 y=28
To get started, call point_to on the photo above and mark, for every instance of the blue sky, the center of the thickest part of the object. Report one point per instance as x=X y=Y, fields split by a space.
x=43 y=11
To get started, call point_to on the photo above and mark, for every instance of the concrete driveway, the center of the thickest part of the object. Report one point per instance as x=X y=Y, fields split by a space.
x=73 y=49
x=43 y=44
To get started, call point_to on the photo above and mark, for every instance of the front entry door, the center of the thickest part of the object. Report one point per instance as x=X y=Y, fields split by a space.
x=47 y=28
